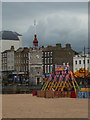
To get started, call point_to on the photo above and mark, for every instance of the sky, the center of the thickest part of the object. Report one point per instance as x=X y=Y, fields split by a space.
x=58 y=22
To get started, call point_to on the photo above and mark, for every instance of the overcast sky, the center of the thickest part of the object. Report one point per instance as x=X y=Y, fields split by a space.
x=55 y=22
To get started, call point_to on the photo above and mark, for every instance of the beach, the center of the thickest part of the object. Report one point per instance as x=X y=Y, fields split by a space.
x=28 y=106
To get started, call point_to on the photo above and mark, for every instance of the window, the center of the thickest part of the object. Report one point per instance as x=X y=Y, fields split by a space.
x=51 y=53
x=45 y=60
x=51 y=60
x=48 y=68
x=79 y=61
x=48 y=53
x=45 y=54
x=26 y=54
x=83 y=61
x=48 y=60
x=5 y=60
x=27 y=61
x=45 y=68
x=76 y=62
x=87 y=61
x=51 y=68
x=5 y=54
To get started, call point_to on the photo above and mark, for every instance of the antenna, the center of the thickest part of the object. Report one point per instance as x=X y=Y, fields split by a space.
x=35 y=26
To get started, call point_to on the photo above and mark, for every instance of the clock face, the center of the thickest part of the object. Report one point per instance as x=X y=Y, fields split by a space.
x=37 y=56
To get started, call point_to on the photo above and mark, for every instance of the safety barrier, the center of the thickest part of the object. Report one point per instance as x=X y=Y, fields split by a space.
x=41 y=93
x=49 y=94
x=59 y=94
x=56 y=94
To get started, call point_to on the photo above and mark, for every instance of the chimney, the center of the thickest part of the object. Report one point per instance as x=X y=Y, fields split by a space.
x=58 y=45
x=12 y=47
x=68 y=46
x=49 y=46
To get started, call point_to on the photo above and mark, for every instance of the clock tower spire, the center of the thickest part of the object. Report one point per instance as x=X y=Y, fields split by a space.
x=35 y=41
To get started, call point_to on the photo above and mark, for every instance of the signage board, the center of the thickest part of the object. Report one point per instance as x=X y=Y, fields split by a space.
x=61 y=67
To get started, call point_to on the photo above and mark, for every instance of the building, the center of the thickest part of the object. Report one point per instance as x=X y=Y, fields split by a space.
x=81 y=61
x=15 y=62
x=56 y=55
x=22 y=61
x=10 y=38
x=47 y=61
x=35 y=63
x=8 y=60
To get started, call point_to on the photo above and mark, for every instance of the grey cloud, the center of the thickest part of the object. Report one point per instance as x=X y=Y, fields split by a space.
x=56 y=22
x=61 y=29
x=22 y=11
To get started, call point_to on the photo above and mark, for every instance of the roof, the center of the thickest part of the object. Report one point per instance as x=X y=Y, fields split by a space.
x=9 y=35
x=22 y=49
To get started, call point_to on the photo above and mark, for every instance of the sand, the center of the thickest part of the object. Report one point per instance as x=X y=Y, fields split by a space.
x=28 y=106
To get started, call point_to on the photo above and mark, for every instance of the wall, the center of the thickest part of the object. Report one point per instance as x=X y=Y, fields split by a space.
x=10 y=61
x=6 y=44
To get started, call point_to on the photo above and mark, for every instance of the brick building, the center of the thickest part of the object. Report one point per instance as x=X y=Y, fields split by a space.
x=21 y=60
x=57 y=55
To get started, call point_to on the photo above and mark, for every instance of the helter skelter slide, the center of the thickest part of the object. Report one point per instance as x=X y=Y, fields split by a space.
x=60 y=80
x=61 y=83
x=64 y=82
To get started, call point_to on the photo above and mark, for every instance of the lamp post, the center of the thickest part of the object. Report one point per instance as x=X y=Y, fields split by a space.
x=84 y=64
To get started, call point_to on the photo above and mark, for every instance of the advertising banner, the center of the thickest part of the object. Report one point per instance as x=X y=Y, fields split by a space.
x=59 y=69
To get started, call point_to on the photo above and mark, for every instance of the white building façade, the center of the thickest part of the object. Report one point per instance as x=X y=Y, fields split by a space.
x=81 y=61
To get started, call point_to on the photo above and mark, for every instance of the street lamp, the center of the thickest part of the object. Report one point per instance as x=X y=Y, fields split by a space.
x=84 y=64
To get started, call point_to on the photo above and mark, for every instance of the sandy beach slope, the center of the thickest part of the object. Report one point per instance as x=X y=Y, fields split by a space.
x=28 y=106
